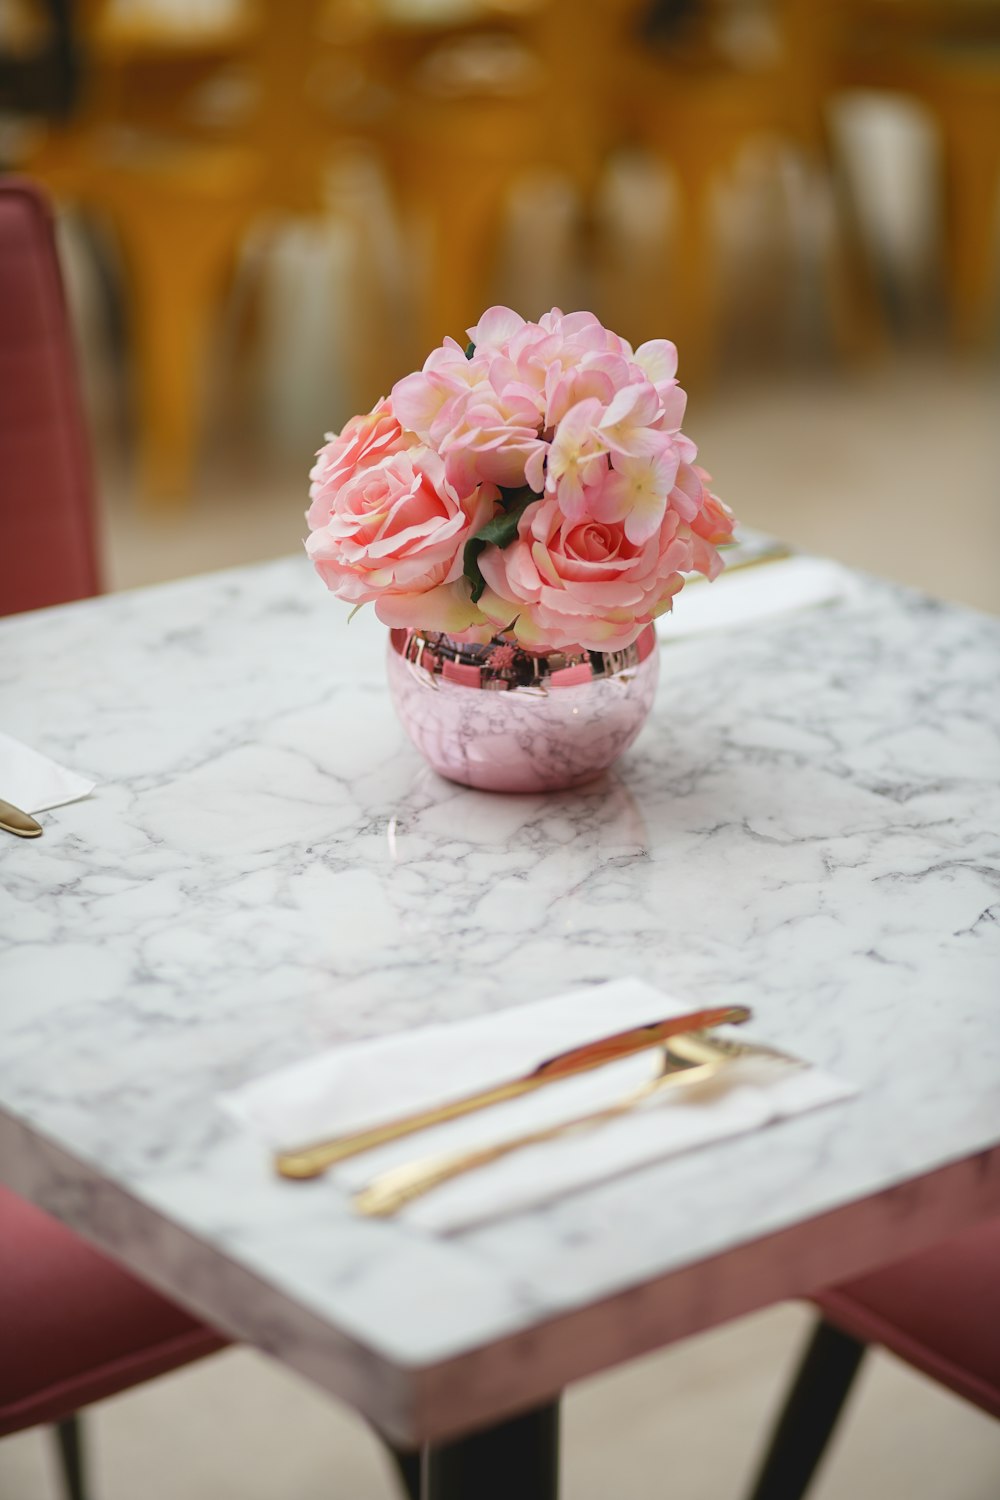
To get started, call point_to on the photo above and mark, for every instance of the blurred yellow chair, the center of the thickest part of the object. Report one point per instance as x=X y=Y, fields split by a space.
x=177 y=205
x=694 y=102
x=946 y=55
x=521 y=86
x=180 y=184
x=459 y=123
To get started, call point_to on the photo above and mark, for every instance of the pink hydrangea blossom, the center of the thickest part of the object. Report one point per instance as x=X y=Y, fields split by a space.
x=636 y=491
x=487 y=435
x=512 y=413
x=485 y=430
x=657 y=360
x=417 y=399
x=577 y=465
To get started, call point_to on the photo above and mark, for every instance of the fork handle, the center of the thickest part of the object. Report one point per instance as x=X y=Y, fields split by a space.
x=391 y=1189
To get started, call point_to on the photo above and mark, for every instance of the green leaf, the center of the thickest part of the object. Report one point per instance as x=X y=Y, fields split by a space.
x=499 y=532
x=470 y=350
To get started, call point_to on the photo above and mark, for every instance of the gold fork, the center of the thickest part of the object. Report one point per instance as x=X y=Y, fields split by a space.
x=692 y=1058
x=705 y=1046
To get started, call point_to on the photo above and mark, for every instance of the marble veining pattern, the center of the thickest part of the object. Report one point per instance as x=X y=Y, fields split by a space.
x=808 y=824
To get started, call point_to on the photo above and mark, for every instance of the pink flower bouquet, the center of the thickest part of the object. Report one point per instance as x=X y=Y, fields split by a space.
x=536 y=484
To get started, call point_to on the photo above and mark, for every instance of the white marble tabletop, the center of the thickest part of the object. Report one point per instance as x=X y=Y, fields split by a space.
x=809 y=824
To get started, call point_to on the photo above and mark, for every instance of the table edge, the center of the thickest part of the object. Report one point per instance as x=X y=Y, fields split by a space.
x=411 y=1405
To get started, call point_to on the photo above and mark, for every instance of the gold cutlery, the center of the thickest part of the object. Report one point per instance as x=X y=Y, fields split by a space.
x=390 y=1190
x=699 y=1047
x=13 y=820
x=313 y=1160
x=689 y=1058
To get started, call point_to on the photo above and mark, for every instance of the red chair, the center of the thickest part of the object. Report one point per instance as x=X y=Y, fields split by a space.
x=76 y=1328
x=939 y=1311
x=46 y=498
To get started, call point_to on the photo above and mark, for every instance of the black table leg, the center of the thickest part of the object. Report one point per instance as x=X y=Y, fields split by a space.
x=409 y=1467
x=516 y=1460
x=810 y=1414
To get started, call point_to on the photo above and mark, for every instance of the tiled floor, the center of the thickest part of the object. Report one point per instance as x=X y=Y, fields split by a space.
x=896 y=469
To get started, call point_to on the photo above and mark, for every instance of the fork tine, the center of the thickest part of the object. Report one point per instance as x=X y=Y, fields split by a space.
x=704 y=1046
x=389 y=1190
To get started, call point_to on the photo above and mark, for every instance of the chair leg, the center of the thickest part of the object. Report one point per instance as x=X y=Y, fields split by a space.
x=811 y=1410
x=972 y=165
x=178 y=250
x=69 y=1440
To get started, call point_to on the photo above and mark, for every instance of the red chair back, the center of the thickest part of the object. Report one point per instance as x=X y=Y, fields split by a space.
x=46 y=496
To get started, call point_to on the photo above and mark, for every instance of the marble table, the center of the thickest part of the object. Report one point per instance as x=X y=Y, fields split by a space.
x=809 y=824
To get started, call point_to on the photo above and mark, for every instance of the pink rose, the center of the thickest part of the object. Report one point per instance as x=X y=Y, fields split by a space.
x=709 y=522
x=582 y=582
x=714 y=520
x=396 y=535
x=363 y=442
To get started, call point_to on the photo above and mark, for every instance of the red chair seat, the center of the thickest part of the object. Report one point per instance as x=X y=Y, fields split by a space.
x=75 y=1327
x=939 y=1311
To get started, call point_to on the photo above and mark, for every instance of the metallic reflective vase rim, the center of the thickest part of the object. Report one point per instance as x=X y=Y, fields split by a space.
x=502 y=665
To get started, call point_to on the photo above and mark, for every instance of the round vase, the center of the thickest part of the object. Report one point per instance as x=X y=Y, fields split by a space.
x=504 y=719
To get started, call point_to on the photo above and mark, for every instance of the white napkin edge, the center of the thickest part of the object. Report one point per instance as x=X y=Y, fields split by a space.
x=34 y=782
x=759 y=592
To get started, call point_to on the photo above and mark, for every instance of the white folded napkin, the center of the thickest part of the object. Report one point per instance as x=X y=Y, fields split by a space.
x=754 y=593
x=367 y=1083
x=33 y=782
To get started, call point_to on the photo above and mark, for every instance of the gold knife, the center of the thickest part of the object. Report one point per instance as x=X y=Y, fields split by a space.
x=13 y=820
x=312 y=1161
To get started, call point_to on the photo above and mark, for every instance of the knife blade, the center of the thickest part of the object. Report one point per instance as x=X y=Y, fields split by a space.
x=13 y=820
x=312 y=1161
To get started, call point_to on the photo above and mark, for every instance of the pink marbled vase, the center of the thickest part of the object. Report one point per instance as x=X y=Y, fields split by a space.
x=503 y=719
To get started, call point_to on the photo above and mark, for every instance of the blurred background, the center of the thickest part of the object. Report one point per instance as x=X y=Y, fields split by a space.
x=269 y=212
